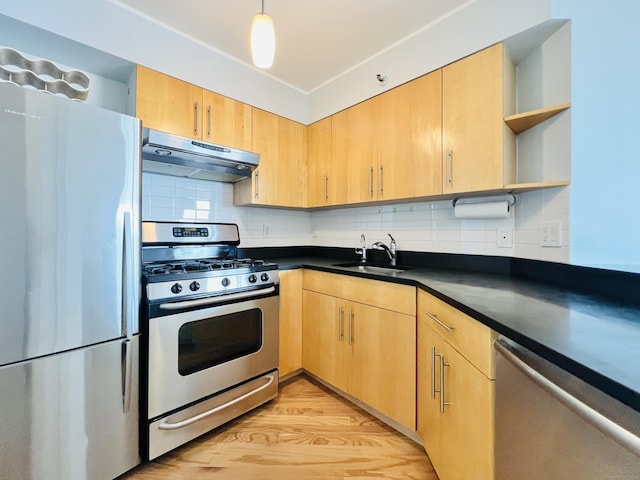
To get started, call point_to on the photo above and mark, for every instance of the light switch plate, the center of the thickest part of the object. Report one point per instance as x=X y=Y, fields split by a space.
x=551 y=234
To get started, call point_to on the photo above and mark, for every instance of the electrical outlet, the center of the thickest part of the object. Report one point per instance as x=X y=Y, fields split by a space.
x=550 y=234
x=504 y=238
x=266 y=231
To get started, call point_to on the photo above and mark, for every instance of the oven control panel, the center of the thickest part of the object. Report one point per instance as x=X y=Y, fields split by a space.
x=166 y=234
x=212 y=285
x=201 y=232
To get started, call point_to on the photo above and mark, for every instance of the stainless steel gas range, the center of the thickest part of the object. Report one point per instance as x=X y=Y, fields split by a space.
x=210 y=324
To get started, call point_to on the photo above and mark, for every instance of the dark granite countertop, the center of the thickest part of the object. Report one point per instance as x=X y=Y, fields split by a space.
x=588 y=323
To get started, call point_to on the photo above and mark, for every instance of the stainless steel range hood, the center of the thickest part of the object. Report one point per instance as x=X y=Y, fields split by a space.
x=185 y=157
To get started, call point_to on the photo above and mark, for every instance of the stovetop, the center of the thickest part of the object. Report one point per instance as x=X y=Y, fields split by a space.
x=199 y=265
x=181 y=260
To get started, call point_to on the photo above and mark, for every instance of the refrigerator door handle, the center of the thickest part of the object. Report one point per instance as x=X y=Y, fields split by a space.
x=127 y=371
x=128 y=290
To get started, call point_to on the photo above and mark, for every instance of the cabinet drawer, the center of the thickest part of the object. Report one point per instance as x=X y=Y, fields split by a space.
x=468 y=336
x=390 y=296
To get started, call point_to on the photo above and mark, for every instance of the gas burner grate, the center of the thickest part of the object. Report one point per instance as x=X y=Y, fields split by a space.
x=200 y=265
x=214 y=263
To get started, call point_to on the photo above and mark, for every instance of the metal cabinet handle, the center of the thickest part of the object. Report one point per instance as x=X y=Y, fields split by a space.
x=185 y=423
x=196 y=118
x=208 y=121
x=351 y=315
x=449 y=166
x=614 y=431
x=257 y=177
x=326 y=188
x=340 y=323
x=380 y=186
x=371 y=181
x=448 y=328
x=442 y=389
x=433 y=372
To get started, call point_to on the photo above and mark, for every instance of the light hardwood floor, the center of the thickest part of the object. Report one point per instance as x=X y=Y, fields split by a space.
x=308 y=432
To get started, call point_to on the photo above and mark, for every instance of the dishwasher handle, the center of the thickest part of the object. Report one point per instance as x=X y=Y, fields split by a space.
x=608 y=427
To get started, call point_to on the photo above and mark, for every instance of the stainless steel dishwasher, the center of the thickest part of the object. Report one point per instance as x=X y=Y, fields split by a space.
x=552 y=425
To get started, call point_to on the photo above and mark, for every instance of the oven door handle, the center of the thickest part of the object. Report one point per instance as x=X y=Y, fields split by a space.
x=185 y=423
x=215 y=300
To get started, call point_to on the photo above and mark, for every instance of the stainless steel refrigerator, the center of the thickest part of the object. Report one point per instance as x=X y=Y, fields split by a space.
x=69 y=288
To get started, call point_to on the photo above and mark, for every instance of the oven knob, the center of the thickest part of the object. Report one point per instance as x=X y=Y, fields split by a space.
x=176 y=288
x=253 y=278
x=264 y=277
x=225 y=282
x=194 y=286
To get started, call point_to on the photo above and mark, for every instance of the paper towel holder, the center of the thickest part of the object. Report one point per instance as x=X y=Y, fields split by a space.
x=509 y=197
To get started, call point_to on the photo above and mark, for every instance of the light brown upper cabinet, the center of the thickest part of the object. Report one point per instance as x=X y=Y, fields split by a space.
x=167 y=104
x=386 y=148
x=170 y=105
x=478 y=147
x=410 y=139
x=226 y=121
x=321 y=176
x=281 y=177
x=354 y=151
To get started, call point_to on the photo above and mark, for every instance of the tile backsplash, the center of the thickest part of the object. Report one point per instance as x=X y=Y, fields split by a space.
x=419 y=226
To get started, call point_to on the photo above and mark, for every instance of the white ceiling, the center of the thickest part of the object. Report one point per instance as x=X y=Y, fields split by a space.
x=316 y=41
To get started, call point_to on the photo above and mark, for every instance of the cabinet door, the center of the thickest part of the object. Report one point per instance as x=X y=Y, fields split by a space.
x=455 y=410
x=280 y=178
x=468 y=431
x=320 y=175
x=354 y=150
x=323 y=338
x=474 y=133
x=382 y=371
x=410 y=139
x=290 y=321
x=264 y=140
x=429 y=419
x=167 y=104
x=226 y=121
x=292 y=164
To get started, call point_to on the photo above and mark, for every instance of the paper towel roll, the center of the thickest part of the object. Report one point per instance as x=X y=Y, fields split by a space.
x=482 y=210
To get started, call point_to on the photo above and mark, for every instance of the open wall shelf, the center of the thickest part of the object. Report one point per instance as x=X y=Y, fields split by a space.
x=520 y=122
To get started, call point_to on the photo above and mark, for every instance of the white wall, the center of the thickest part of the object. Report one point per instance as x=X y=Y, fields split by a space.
x=104 y=25
x=420 y=226
x=605 y=103
x=477 y=25
x=166 y=198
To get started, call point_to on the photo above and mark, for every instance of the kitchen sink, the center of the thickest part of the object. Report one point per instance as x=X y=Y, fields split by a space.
x=371 y=268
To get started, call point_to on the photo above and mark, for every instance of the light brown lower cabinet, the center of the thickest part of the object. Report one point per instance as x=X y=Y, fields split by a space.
x=455 y=407
x=290 y=332
x=362 y=349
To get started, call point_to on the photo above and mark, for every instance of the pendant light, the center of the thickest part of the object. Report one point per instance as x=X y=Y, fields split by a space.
x=263 y=40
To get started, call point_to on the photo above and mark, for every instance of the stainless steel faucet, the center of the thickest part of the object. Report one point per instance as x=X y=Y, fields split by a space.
x=391 y=249
x=362 y=250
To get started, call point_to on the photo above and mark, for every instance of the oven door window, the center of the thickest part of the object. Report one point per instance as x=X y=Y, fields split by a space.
x=206 y=343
